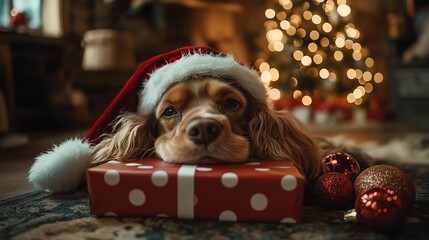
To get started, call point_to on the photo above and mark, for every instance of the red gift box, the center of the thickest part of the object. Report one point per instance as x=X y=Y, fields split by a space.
x=254 y=191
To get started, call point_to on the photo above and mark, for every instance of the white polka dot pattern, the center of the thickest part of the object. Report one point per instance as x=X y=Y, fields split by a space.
x=289 y=183
x=228 y=216
x=111 y=177
x=204 y=169
x=259 y=202
x=110 y=214
x=145 y=167
x=252 y=163
x=229 y=180
x=137 y=197
x=132 y=164
x=159 y=178
x=254 y=189
x=288 y=220
x=114 y=162
x=262 y=169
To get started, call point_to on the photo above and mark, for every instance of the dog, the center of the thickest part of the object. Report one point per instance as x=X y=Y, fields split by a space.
x=193 y=105
x=209 y=120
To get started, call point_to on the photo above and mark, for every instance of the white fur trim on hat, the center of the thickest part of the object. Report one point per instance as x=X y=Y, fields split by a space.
x=198 y=64
x=63 y=168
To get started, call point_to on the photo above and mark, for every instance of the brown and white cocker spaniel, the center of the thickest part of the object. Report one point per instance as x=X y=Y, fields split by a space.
x=210 y=120
x=194 y=106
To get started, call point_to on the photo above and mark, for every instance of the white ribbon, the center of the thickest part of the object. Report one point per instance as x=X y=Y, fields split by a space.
x=185 y=191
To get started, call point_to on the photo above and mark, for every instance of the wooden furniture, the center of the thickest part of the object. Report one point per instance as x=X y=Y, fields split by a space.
x=30 y=66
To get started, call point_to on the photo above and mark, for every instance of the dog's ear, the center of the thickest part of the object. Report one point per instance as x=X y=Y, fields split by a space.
x=132 y=137
x=278 y=135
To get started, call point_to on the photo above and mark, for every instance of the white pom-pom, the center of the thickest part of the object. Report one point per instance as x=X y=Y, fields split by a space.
x=63 y=168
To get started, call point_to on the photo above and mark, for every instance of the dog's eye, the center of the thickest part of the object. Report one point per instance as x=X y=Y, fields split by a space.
x=231 y=104
x=169 y=112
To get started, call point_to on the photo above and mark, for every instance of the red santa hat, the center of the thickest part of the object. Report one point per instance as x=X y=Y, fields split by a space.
x=64 y=167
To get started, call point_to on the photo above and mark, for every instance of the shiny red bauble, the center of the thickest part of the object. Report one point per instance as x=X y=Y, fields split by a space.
x=342 y=162
x=380 y=209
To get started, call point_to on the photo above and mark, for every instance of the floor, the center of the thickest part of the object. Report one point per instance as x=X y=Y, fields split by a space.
x=15 y=162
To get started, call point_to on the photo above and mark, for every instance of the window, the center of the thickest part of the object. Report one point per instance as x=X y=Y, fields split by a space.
x=32 y=8
x=45 y=16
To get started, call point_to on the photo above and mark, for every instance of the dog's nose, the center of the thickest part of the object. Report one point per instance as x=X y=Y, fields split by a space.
x=203 y=131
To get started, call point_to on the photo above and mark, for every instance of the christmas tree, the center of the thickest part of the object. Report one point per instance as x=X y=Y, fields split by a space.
x=312 y=53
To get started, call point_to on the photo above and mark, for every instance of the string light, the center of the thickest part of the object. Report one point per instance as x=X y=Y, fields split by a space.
x=270 y=13
x=306 y=60
x=316 y=19
x=293 y=82
x=356 y=47
x=274 y=94
x=338 y=55
x=358 y=101
x=357 y=93
x=350 y=98
x=349 y=44
x=317 y=59
x=351 y=73
x=357 y=56
x=285 y=24
x=324 y=73
x=368 y=87
x=378 y=77
x=332 y=76
x=278 y=46
x=324 y=42
x=301 y=32
x=281 y=15
x=297 y=43
x=297 y=94
x=291 y=30
x=344 y=10
x=306 y=100
x=369 y=62
x=340 y=42
x=298 y=55
x=327 y=27
x=264 y=66
x=288 y=29
x=312 y=47
x=314 y=35
x=274 y=74
x=367 y=76
x=307 y=15
x=266 y=77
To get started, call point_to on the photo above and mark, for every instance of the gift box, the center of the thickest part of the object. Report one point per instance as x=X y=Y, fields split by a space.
x=253 y=191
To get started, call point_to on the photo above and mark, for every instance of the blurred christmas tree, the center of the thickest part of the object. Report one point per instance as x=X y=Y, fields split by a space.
x=314 y=54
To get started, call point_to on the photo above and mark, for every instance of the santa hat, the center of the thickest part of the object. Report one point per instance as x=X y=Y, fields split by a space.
x=64 y=167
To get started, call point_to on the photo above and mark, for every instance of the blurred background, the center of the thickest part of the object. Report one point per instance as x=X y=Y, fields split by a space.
x=338 y=65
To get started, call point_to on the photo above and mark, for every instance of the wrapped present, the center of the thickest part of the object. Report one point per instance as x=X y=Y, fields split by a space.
x=254 y=191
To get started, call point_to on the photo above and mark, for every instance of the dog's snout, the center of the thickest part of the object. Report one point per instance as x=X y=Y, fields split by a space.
x=203 y=131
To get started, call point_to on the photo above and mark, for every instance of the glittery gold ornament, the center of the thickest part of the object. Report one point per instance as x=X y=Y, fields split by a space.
x=388 y=177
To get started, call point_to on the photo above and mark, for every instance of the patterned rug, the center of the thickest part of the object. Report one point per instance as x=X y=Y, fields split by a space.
x=41 y=215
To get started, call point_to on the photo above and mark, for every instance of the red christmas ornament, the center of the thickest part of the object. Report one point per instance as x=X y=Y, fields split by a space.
x=380 y=209
x=334 y=190
x=18 y=19
x=342 y=162
x=389 y=177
